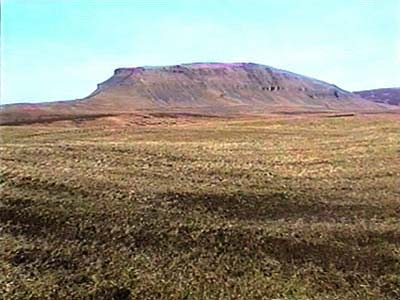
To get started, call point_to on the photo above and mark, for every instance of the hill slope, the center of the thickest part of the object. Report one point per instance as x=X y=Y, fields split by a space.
x=386 y=95
x=211 y=88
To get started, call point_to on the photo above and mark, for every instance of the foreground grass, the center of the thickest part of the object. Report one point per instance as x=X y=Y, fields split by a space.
x=248 y=209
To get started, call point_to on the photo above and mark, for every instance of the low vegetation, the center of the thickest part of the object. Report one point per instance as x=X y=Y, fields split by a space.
x=266 y=208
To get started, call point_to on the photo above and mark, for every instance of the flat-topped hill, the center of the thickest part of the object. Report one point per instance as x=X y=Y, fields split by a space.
x=207 y=88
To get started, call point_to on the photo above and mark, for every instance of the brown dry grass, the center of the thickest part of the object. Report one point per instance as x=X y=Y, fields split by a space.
x=251 y=208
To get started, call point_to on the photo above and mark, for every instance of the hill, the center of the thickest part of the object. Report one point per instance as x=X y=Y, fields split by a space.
x=386 y=95
x=206 y=88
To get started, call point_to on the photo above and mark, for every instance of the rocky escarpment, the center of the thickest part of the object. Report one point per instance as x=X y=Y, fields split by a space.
x=207 y=88
x=218 y=84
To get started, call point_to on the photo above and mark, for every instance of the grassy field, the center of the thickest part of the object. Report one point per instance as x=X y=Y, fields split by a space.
x=295 y=208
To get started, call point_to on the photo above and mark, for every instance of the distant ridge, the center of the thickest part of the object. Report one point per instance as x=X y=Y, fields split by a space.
x=206 y=88
x=389 y=96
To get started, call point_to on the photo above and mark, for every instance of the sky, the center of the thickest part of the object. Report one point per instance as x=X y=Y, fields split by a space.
x=61 y=49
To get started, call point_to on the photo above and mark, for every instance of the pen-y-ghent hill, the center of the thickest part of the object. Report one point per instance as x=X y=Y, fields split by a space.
x=206 y=88
x=201 y=181
x=220 y=87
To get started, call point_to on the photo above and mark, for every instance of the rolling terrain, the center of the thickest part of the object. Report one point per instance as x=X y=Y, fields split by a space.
x=168 y=207
x=199 y=88
x=389 y=96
